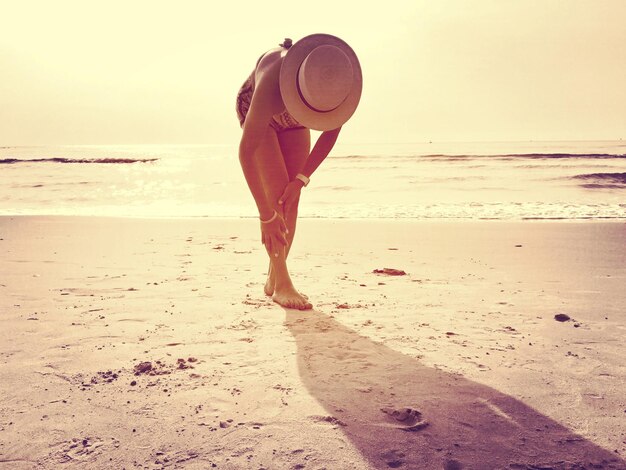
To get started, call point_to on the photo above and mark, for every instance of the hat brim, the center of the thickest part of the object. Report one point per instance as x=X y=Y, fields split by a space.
x=321 y=121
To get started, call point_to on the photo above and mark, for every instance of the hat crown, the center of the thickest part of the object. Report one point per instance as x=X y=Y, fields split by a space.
x=325 y=78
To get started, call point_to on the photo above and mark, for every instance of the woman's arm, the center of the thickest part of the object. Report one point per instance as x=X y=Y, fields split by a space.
x=322 y=148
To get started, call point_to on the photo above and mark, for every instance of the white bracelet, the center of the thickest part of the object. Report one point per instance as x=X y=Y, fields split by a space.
x=271 y=219
x=303 y=178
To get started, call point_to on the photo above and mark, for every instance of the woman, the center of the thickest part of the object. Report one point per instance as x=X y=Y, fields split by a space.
x=312 y=84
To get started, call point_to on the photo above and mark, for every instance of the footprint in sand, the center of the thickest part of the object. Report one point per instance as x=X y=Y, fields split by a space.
x=393 y=458
x=406 y=419
x=452 y=465
x=82 y=449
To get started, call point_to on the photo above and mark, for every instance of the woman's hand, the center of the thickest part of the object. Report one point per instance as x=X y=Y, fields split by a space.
x=290 y=195
x=273 y=234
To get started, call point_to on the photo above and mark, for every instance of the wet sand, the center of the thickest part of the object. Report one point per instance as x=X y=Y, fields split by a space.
x=143 y=343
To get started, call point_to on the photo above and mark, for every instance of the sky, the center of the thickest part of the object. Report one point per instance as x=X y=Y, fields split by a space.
x=154 y=72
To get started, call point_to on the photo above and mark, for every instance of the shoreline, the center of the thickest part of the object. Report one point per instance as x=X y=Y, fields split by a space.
x=391 y=219
x=467 y=340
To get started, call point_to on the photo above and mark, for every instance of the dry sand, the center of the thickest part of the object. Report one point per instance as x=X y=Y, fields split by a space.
x=459 y=364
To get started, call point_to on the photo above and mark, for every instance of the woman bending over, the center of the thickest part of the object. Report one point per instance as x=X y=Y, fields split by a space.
x=313 y=84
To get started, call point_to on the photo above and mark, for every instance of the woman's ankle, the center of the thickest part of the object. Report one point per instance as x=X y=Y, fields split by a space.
x=283 y=284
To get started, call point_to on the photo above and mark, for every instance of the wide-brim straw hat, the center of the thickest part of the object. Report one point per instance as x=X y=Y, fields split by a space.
x=321 y=81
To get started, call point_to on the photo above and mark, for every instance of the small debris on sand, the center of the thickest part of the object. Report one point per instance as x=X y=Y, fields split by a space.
x=390 y=272
x=101 y=377
x=346 y=305
x=143 y=367
x=156 y=368
x=562 y=317
x=182 y=364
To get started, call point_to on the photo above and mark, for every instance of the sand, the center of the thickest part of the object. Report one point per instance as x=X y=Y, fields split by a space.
x=130 y=343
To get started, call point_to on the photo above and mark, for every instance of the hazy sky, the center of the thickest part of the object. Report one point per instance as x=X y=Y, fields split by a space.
x=126 y=72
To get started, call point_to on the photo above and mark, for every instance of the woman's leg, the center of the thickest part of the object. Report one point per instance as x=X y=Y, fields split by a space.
x=295 y=145
x=269 y=157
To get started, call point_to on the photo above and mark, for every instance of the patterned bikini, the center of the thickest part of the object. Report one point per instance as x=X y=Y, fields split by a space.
x=280 y=122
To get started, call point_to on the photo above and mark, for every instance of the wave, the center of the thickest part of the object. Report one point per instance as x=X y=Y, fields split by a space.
x=12 y=161
x=536 y=155
x=602 y=180
x=506 y=156
x=619 y=178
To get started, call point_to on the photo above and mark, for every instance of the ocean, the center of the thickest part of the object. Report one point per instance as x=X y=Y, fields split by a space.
x=496 y=180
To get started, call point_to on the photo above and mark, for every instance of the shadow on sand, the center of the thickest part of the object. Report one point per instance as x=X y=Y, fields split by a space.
x=401 y=414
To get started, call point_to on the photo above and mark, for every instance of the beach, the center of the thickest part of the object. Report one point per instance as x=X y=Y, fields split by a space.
x=457 y=173
x=148 y=343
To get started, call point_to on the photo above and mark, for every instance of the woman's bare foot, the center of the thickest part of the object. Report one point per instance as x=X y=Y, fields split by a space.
x=269 y=285
x=289 y=297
